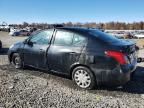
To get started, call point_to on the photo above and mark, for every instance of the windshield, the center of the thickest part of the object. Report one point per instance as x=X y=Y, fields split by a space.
x=104 y=36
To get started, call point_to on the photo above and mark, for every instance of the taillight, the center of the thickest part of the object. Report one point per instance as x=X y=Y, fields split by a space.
x=118 y=56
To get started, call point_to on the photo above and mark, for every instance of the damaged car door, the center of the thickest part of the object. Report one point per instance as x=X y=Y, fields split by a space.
x=35 y=49
x=65 y=50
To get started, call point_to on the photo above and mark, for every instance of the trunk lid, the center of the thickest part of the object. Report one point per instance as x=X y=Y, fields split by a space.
x=126 y=47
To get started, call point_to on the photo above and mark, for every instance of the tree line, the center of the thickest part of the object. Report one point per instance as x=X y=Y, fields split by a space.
x=108 y=25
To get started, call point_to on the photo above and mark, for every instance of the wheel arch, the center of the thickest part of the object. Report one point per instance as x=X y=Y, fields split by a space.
x=10 y=56
x=78 y=65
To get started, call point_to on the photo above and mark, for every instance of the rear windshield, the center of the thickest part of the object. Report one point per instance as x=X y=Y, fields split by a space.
x=104 y=36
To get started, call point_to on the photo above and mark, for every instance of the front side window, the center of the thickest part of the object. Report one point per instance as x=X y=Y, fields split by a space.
x=42 y=37
x=63 y=38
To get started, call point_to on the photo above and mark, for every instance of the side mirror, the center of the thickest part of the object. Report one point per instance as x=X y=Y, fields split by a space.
x=30 y=43
x=25 y=41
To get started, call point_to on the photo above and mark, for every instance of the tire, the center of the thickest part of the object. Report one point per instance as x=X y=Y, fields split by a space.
x=84 y=77
x=16 y=61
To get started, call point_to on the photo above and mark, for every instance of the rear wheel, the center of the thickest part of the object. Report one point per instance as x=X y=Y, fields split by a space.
x=83 y=77
x=16 y=60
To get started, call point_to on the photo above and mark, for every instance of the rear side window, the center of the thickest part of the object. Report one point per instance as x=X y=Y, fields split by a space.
x=103 y=36
x=63 y=38
x=79 y=40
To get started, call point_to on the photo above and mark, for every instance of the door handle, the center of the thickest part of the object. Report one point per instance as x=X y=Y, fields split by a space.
x=41 y=50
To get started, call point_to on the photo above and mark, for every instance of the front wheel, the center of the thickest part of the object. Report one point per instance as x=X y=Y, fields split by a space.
x=16 y=60
x=83 y=77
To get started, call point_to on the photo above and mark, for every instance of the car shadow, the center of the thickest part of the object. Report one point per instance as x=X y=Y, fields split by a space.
x=4 y=51
x=47 y=72
x=135 y=86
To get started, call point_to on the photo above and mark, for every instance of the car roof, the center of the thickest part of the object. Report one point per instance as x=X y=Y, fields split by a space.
x=79 y=30
x=75 y=29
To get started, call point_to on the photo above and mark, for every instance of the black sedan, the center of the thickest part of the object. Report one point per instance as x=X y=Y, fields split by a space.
x=89 y=56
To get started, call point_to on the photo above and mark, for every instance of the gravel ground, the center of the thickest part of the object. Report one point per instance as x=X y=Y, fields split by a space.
x=31 y=88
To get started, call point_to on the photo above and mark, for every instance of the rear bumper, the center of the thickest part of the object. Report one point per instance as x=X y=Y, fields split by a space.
x=118 y=76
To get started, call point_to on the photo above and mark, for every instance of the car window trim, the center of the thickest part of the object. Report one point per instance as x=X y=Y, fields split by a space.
x=40 y=32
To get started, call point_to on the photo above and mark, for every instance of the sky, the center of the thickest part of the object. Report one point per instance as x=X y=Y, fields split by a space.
x=59 y=11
